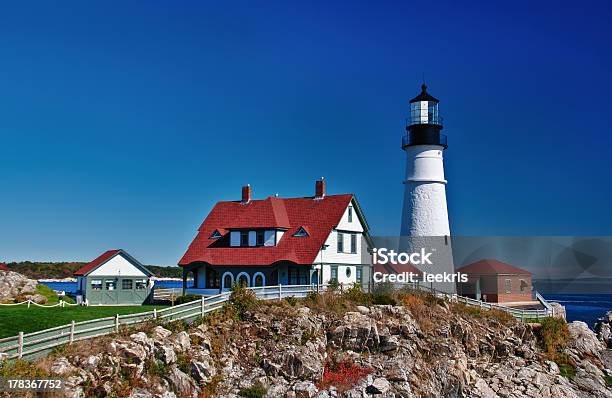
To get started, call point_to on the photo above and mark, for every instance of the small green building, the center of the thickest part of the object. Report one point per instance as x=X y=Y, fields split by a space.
x=114 y=278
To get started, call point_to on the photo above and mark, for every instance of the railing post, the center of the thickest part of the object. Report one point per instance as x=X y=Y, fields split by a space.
x=116 y=323
x=72 y=332
x=155 y=313
x=203 y=307
x=28 y=306
x=523 y=315
x=280 y=291
x=20 y=348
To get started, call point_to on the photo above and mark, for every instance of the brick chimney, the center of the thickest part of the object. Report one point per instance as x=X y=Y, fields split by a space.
x=320 y=188
x=246 y=194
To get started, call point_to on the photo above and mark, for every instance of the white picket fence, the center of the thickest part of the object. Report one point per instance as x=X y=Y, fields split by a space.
x=32 y=345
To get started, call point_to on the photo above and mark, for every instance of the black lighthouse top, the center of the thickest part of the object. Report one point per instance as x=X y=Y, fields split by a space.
x=424 y=96
x=425 y=123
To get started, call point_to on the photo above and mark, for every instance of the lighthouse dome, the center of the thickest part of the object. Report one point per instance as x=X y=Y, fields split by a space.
x=424 y=109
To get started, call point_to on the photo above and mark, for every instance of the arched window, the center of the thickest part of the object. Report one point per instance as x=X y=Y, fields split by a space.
x=228 y=280
x=243 y=279
x=259 y=279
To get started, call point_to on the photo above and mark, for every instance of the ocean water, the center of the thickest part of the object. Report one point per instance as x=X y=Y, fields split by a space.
x=71 y=287
x=579 y=307
x=583 y=307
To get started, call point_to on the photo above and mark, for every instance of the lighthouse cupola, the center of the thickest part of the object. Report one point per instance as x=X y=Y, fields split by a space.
x=425 y=123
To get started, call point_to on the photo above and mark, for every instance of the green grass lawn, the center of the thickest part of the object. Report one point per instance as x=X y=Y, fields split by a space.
x=23 y=319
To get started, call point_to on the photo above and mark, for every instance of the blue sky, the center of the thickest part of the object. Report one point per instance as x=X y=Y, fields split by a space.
x=122 y=124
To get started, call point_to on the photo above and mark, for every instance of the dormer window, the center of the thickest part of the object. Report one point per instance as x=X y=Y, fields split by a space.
x=215 y=235
x=260 y=237
x=244 y=238
x=301 y=233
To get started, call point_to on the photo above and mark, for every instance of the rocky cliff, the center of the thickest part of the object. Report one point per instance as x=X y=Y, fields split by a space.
x=416 y=348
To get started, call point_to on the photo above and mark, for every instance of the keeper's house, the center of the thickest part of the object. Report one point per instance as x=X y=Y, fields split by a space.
x=496 y=282
x=114 y=277
x=288 y=241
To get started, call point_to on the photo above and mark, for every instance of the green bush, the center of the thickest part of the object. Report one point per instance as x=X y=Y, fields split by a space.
x=554 y=334
x=187 y=298
x=242 y=299
x=256 y=391
x=608 y=380
x=333 y=285
x=292 y=301
x=356 y=295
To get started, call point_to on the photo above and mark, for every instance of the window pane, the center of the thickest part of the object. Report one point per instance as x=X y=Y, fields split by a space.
x=126 y=284
x=340 y=242
x=353 y=243
x=110 y=284
x=350 y=214
x=141 y=284
x=244 y=238
x=260 y=238
x=96 y=284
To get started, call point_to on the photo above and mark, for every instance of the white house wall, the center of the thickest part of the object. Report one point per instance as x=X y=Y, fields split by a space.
x=119 y=266
x=331 y=254
x=344 y=223
x=342 y=278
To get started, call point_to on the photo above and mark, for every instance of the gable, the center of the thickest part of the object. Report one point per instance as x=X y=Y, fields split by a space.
x=119 y=265
x=351 y=220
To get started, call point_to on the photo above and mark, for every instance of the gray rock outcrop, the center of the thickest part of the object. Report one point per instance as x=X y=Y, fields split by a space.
x=284 y=352
x=17 y=287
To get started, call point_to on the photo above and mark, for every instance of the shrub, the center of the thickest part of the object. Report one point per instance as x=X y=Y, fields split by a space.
x=566 y=364
x=333 y=285
x=383 y=299
x=21 y=369
x=187 y=298
x=343 y=375
x=608 y=380
x=243 y=299
x=384 y=289
x=356 y=295
x=554 y=334
x=256 y=391
x=292 y=301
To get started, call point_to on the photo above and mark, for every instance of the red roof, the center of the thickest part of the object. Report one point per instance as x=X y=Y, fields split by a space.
x=491 y=267
x=104 y=257
x=318 y=216
x=3 y=267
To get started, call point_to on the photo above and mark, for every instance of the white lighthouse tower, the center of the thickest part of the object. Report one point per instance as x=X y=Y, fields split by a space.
x=424 y=212
x=425 y=215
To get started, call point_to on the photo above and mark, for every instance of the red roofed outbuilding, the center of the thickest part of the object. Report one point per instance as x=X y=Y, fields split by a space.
x=496 y=282
x=3 y=267
x=289 y=241
x=114 y=277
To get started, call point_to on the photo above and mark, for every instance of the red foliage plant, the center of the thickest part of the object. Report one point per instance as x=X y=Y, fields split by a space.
x=343 y=375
